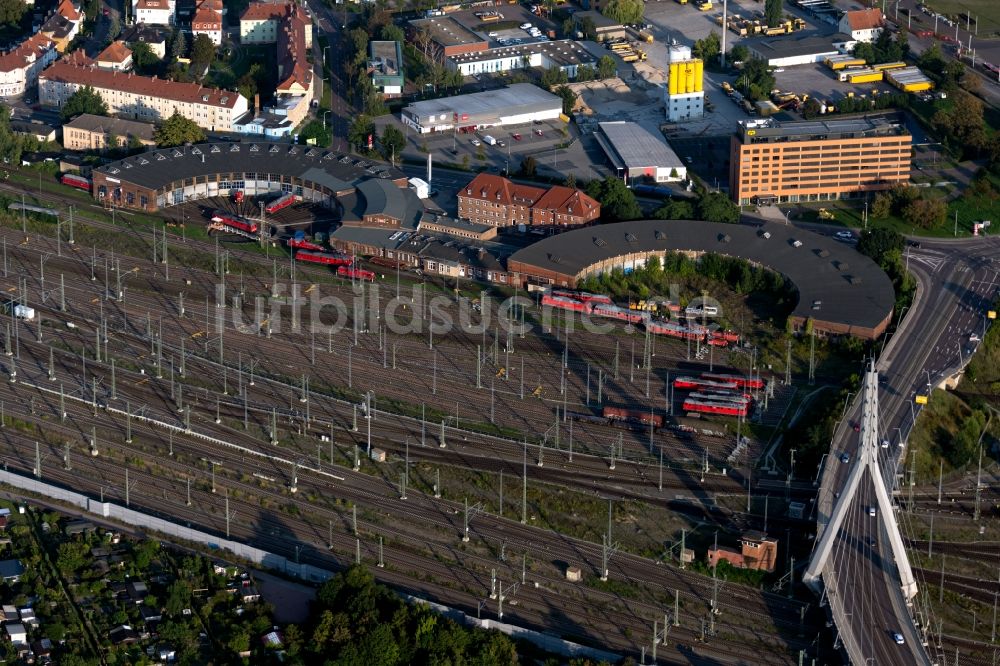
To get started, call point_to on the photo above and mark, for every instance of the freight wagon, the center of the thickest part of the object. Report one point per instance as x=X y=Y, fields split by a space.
x=633 y=415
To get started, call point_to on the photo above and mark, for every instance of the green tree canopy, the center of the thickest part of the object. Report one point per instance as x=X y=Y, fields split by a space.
x=84 y=100
x=755 y=81
x=617 y=200
x=606 y=67
x=178 y=44
x=393 y=141
x=178 y=130
x=317 y=132
x=391 y=32
x=625 y=12
x=12 y=11
x=143 y=58
x=880 y=243
x=568 y=98
x=361 y=128
x=717 y=207
x=772 y=12
x=675 y=209
x=202 y=53
x=708 y=48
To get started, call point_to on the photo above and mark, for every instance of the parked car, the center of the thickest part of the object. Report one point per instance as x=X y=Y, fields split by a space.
x=516 y=136
x=539 y=132
x=476 y=142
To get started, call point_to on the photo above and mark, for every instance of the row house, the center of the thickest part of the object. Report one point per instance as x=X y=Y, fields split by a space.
x=499 y=202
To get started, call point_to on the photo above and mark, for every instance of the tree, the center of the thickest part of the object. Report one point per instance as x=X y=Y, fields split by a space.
x=617 y=200
x=114 y=28
x=361 y=128
x=178 y=130
x=739 y=53
x=178 y=597
x=756 y=81
x=202 y=52
x=178 y=44
x=392 y=33
x=709 y=48
x=570 y=180
x=675 y=209
x=84 y=100
x=247 y=86
x=624 y=12
x=772 y=12
x=925 y=213
x=315 y=133
x=881 y=206
x=393 y=141
x=143 y=58
x=585 y=73
x=553 y=76
x=717 y=207
x=606 y=67
x=811 y=108
x=878 y=243
x=568 y=98
x=12 y=11
x=529 y=166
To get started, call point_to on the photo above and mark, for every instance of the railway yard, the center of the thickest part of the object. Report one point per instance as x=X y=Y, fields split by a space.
x=472 y=467
x=141 y=365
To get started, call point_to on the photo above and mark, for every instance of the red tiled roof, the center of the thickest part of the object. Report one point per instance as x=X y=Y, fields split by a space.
x=214 y=5
x=67 y=9
x=488 y=187
x=206 y=19
x=262 y=11
x=79 y=69
x=25 y=53
x=294 y=64
x=865 y=19
x=152 y=4
x=567 y=201
x=116 y=52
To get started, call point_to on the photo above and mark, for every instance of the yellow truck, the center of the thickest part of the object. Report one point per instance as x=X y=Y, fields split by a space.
x=646 y=36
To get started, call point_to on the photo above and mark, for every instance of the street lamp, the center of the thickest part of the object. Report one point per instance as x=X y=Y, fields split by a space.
x=326 y=113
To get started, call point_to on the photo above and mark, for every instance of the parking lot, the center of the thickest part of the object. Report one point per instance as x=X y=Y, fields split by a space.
x=518 y=14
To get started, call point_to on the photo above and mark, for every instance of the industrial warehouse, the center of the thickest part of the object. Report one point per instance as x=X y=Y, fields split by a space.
x=514 y=105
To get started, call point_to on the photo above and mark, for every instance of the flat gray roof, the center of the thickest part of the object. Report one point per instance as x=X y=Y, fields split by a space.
x=630 y=145
x=336 y=171
x=785 y=47
x=764 y=129
x=561 y=52
x=519 y=98
x=446 y=31
x=453 y=223
x=835 y=283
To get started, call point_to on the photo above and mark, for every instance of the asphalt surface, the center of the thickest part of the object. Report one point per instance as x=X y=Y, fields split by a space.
x=958 y=281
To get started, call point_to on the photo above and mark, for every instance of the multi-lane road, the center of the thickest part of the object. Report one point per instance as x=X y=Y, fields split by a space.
x=958 y=283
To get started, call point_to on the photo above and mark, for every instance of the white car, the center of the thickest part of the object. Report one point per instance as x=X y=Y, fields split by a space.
x=898 y=637
x=844 y=235
x=476 y=142
x=871 y=511
x=525 y=26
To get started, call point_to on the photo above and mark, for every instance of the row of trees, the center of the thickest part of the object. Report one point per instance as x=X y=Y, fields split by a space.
x=911 y=204
x=885 y=48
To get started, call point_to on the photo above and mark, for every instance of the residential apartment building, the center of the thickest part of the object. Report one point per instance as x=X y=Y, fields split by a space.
x=863 y=25
x=20 y=67
x=156 y=38
x=90 y=132
x=117 y=57
x=816 y=160
x=498 y=202
x=289 y=27
x=63 y=24
x=154 y=12
x=144 y=98
x=208 y=20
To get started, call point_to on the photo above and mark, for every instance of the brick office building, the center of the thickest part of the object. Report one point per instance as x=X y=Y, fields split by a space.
x=498 y=202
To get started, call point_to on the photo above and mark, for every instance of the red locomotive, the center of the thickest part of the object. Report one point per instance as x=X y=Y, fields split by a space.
x=224 y=221
x=325 y=258
x=565 y=303
x=739 y=380
x=356 y=273
x=238 y=196
x=78 y=182
x=688 y=383
x=284 y=201
x=715 y=407
x=633 y=415
x=299 y=242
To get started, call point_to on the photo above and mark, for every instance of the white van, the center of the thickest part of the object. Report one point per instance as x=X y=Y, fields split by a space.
x=489 y=140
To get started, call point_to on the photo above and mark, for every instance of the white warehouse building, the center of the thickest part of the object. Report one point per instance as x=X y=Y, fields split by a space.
x=636 y=153
x=515 y=105
x=565 y=54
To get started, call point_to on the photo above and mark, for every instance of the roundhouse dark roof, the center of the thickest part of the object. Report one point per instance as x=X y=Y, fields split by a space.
x=335 y=171
x=849 y=287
